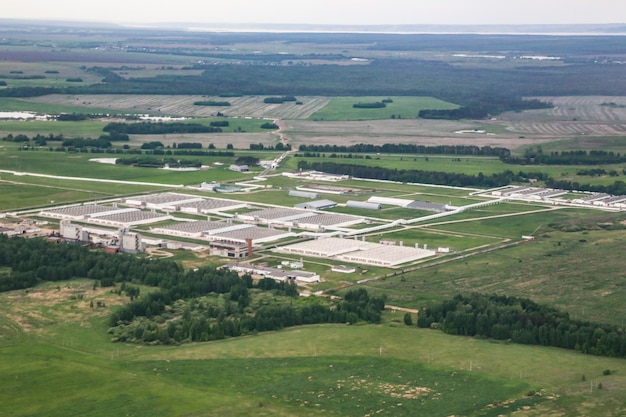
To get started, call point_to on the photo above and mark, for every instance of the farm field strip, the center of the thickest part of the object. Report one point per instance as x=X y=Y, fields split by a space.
x=245 y=106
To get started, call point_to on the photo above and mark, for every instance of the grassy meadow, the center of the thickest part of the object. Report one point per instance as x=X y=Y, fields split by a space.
x=68 y=365
x=340 y=108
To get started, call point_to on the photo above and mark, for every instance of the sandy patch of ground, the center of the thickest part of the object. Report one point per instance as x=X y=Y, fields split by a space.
x=33 y=309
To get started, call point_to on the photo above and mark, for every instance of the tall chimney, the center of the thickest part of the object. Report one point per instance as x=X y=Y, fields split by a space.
x=249 y=243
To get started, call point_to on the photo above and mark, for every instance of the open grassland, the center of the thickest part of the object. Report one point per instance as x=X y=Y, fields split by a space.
x=87 y=128
x=17 y=196
x=341 y=108
x=23 y=104
x=579 y=271
x=245 y=129
x=67 y=363
x=78 y=165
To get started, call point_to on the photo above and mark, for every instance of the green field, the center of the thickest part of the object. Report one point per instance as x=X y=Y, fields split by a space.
x=340 y=108
x=67 y=363
x=78 y=165
x=575 y=270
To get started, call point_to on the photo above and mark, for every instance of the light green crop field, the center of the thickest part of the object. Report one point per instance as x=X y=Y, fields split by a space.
x=55 y=349
x=22 y=104
x=87 y=128
x=340 y=108
x=78 y=165
x=93 y=128
x=21 y=196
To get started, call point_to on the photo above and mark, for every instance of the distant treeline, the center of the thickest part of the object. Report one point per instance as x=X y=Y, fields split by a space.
x=372 y=105
x=278 y=100
x=481 y=108
x=419 y=176
x=212 y=103
x=409 y=148
x=159 y=128
x=104 y=141
x=278 y=147
x=90 y=147
x=38 y=139
x=86 y=143
x=534 y=156
x=522 y=321
x=220 y=123
x=616 y=188
x=146 y=161
x=76 y=117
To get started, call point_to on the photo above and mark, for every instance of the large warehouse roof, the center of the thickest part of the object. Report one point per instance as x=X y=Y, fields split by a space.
x=213 y=204
x=257 y=234
x=277 y=214
x=327 y=247
x=78 y=211
x=357 y=251
x=162 y=200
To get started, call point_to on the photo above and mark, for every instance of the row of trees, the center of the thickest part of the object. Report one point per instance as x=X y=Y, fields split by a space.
x=409 y=148
x=522 y=321
x=535 y=156
x=151 y=162
x=278 y=100
x=159 y=128
x=616 y=188
x=261 y=147
x=212 y=103
x=150 y=148
x=419 y=176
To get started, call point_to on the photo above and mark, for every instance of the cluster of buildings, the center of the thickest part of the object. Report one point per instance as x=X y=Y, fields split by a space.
x=122 y=240
x=233 y=229
x=556 y=196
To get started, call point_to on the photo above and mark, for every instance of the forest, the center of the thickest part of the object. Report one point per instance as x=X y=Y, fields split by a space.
x=142 y=320
x=522 y=321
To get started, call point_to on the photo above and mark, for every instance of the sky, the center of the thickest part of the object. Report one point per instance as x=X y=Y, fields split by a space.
x=335 y=12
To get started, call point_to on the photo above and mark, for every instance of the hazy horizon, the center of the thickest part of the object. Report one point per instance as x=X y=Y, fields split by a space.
x=327 y=12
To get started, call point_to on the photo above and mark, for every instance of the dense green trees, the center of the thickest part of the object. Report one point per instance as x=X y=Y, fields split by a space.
x=419 y=176
x=409 y=148
x=535 y=156
x=152 y=162
x=522 y=321
x=159 y=128
x=34 y=260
